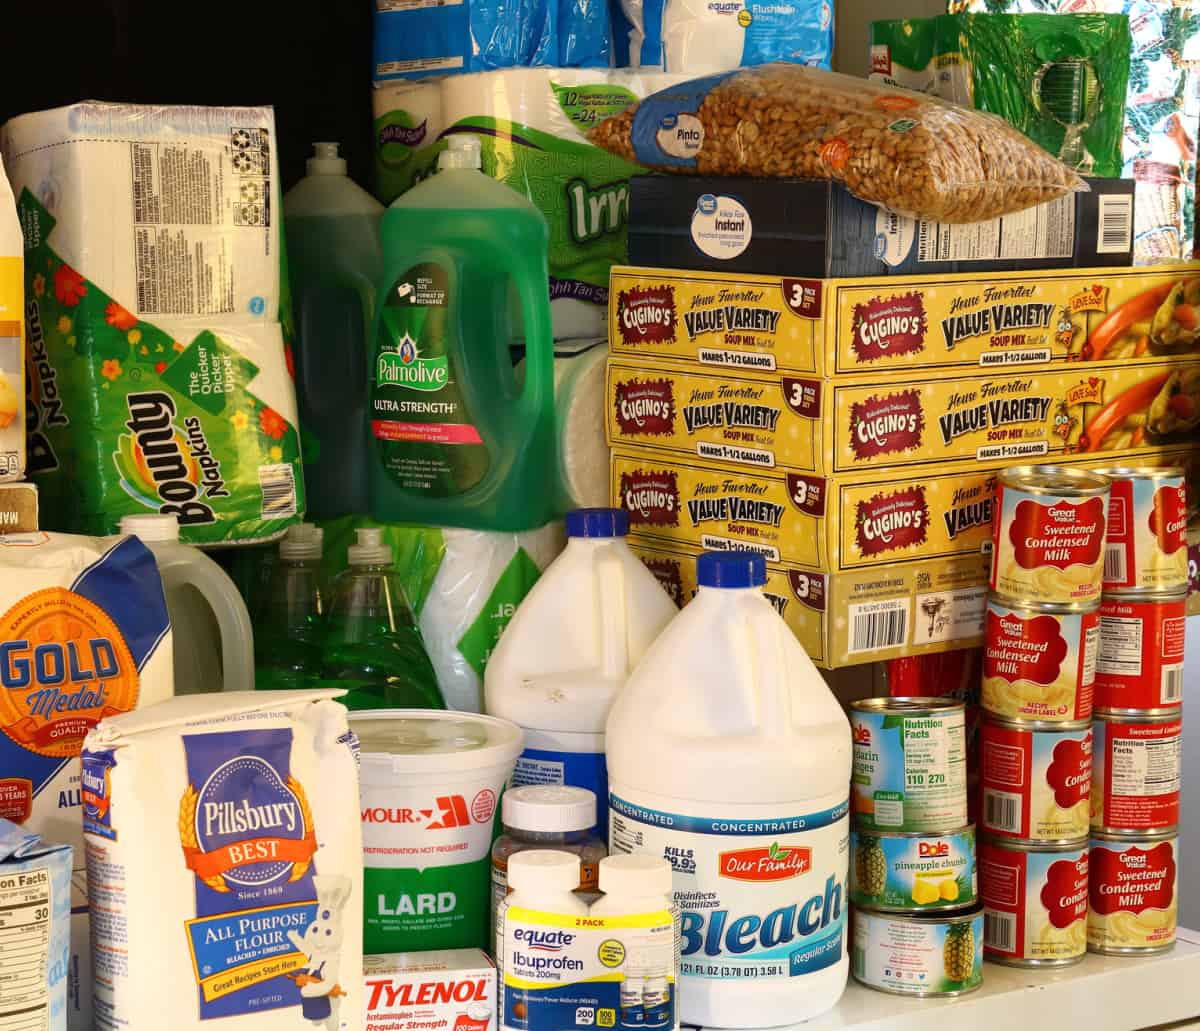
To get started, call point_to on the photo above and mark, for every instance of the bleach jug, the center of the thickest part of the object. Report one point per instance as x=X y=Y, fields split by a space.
x=334 y=261
x=214 y=647
x=455 y=440
x=565 y=655
x=729 y=756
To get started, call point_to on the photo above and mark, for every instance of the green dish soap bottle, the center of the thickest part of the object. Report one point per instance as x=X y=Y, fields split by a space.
x=288 y=630
x=456 y=440
x=334 y=263
x=372 y=644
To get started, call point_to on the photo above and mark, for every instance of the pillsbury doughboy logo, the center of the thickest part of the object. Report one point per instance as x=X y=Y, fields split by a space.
x=246 y=826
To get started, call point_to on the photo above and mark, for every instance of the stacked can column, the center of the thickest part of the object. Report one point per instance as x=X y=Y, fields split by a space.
x=916 y=921
x=1035 y=748
x=1139 y=701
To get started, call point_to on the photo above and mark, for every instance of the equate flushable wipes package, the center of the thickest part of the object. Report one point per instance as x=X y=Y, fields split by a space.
x=12 y=348
x=152 y=271
x=224 y=857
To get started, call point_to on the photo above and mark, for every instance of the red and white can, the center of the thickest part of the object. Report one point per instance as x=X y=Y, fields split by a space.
x=1048 y=534
x=1134 y=899
x=1035 y=902
x=1139 y=667
x=1136 y=772
x=1039 y=660
x=1036 y=781
x=1146 y=546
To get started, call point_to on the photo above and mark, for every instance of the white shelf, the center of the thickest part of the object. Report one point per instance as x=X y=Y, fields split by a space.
x=1100 y=994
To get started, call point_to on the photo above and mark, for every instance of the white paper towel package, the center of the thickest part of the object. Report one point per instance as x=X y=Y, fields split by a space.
x=532 y=123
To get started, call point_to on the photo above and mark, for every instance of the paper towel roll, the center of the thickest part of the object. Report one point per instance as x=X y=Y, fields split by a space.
x=408 y=118
x=467 y=591
x=579 y=411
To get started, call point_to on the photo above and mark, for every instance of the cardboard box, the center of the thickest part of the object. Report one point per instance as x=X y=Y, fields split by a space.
x=828 y=524
x=18 y=508
x=908 y=324
x=885 y=424
x=817 y=228
x=442 y=990
x=868 y=615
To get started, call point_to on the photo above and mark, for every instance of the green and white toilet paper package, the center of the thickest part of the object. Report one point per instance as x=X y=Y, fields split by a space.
x=532 y=124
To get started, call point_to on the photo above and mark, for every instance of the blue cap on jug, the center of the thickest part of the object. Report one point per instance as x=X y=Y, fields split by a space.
x=597 y=522
x=731 y=569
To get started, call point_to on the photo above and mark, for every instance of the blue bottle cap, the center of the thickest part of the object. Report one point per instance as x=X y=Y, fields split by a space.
x=597 y=522
x=731 y=569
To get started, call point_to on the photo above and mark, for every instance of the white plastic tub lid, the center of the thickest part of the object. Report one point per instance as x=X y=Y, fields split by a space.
x=427 y=740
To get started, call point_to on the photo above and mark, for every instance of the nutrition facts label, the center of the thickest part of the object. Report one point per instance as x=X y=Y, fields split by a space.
x=1120 y=646
x=1141 y=768
x=25 y=907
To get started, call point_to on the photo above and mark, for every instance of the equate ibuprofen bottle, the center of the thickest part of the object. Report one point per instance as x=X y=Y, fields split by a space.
x=568 y=650
x=730 y=757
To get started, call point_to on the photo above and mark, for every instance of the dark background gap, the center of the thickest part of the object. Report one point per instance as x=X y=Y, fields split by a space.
x=310 y=59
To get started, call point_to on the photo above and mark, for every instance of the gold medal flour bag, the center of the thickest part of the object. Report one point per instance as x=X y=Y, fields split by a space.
x=224 y=846
x=84 y=635
x=152 y=267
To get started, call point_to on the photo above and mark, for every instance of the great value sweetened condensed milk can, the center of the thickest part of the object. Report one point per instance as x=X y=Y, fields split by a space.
x=724 y=706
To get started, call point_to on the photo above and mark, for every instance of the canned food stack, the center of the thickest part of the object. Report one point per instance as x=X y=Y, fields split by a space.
x=1035 y=747
x=917 y=926
x=1136 y=763
x=1042 y=760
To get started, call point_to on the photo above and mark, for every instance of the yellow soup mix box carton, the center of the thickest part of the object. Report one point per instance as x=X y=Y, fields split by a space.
x=844 y=619
x=774 y=420
x=932 y=323
x=831 y=524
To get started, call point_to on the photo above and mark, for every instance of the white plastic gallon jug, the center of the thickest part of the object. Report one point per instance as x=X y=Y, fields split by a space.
x=214 y=647
x=729 y=757
x=569 y=650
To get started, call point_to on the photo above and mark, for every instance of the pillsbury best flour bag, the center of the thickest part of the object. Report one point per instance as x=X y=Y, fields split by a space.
x=158 y=381
x=224 y=851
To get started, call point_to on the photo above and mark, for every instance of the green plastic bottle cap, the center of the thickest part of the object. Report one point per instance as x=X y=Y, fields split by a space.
x=369 y=548
x=302 y=540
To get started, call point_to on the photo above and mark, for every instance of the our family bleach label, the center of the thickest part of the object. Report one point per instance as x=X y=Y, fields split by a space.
x=565 y=971
x=761 y=898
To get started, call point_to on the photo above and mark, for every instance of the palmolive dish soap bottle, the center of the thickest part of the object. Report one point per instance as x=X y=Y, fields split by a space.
x=729 y=757
x=568 y=650
x=456 y=439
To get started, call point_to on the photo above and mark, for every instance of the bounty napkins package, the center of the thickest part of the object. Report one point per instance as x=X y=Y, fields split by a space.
x=12 y=347
x=152 y=271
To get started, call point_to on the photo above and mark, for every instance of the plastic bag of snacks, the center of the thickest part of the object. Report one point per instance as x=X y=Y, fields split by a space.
x=912 y=153
x=1059 y=78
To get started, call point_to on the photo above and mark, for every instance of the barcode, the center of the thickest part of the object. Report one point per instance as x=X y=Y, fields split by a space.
x=278 y=484
x=878 y=624
x=1172 y=684
x=1115 y=571
x=1002 y=811
x=999 y=930
x=1115 y=228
